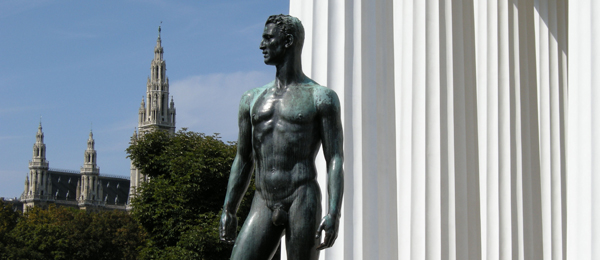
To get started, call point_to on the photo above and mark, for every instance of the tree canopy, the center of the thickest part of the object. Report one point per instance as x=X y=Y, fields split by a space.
x=68 y=233
x=175 y=214
x=180 y=205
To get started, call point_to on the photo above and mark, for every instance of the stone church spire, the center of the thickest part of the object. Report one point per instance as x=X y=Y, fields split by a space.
x=156 y=112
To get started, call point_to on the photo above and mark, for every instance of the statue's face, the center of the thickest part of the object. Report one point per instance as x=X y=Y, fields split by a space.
x=273 y=44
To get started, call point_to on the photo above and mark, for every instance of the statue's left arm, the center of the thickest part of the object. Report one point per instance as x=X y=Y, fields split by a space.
x=332 y=139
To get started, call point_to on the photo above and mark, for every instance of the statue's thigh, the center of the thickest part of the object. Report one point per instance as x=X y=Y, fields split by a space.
x=258 y=238
x=304 y=219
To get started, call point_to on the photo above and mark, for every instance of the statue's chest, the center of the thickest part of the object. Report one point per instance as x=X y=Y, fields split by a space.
x=292 y=106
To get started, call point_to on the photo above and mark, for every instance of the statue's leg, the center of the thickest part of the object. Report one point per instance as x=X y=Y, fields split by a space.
x=304 y=219
x=258 y=238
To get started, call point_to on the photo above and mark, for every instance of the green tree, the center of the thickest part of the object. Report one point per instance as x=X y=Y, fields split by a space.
x=8 y=220
x=67 y=233
x=180 y=206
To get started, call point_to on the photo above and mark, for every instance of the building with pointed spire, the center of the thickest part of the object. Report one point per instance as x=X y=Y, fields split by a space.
x=156 y=112
x=87 y=189
x=37 y=183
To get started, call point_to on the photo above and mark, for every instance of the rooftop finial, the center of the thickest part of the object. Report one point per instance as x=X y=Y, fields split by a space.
x=159 y=29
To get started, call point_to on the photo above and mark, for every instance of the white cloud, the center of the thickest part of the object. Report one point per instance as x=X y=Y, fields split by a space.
x=209 y=103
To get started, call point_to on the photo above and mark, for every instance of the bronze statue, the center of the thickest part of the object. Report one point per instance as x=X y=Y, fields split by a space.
x=281 y=127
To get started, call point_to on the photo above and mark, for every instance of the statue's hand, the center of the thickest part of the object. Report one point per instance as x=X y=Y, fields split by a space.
x=228 y=227
x=330 y=225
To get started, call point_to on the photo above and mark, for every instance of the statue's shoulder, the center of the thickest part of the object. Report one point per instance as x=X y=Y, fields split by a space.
x=324 y=96
x=250 y=96
x=253 y=93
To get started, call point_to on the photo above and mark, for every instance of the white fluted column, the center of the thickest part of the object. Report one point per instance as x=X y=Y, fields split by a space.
x=583 y=181
x=366 y=82
x=455 y=125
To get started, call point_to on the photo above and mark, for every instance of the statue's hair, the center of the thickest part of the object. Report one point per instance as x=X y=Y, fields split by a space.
x=289 y=25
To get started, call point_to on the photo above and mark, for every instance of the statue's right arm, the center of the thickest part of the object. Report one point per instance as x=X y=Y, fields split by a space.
x=241 y=172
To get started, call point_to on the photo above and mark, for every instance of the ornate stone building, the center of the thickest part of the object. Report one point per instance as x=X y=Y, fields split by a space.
x=156 y=113
x=86 y=189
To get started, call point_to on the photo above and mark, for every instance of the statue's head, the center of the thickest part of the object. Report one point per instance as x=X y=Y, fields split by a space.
x=289 y=25
x=289 y=31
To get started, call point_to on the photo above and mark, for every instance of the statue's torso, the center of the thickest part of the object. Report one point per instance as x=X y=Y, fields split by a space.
x=285 y=139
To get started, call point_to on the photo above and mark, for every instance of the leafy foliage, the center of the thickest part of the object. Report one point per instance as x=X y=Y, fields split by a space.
x=8 y=221
x=8 y=218
x=180 y=205
x=67 y=233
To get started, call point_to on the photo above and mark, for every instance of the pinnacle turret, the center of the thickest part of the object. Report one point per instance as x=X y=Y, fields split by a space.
x=40 y=135
x=90 y=142
x=39 y=148
x=90 y=160
x=37 y=183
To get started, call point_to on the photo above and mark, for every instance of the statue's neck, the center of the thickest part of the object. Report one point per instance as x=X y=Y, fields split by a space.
x=289 y=73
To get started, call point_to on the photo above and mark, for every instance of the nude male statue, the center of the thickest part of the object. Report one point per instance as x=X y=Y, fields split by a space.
x=281 y=127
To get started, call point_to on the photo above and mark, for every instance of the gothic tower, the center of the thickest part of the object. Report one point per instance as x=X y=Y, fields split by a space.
x=89 y=192
x=156 y=112
x=37 y=183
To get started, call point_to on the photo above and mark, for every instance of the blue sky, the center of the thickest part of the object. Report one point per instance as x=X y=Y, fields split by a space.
x=82 y=65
